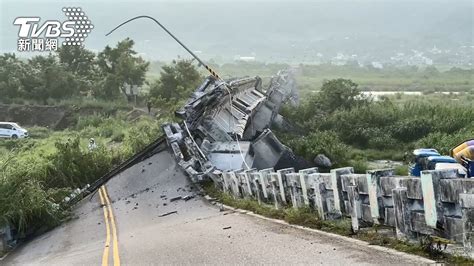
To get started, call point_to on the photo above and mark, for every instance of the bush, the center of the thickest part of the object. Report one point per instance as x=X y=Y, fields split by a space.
x=89 y=121
x=118 y=136
x=382 y=141
x=37 y=174
x=39 y=132
x=389 y=128
x=26 y=205
x=360 y=166
x=141 y=135
x=325 y=142
x=445 y=142
x=73 y=166
x=401 y=170
x=10 y=144
x=411 y=128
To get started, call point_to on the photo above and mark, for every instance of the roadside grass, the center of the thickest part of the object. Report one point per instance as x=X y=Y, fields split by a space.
x=103 y=105
x=308 y=218
x=38 y=132
x=379 y=154
x=37 y=173
x=401 y=170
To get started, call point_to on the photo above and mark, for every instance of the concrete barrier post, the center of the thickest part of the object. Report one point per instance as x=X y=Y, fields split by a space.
x=430 y=185
x=283 y=182
x=255 y=179
x=320 y=194
x=295 y=189
x=337 y=187
x=467 y=210
x=5 y=236
x=373 y=186
x=304 y=173
x=248 y=181
x=3 y=244
x=265 y=182
x=402 y=212
x=275 y=191
x=354 y=202
x=244 y=184
x=234 y=184
x=226 y=181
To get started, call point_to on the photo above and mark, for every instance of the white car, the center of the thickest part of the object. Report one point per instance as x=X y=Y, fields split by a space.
x=12 y=130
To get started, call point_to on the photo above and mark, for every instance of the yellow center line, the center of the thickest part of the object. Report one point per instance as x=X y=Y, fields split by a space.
x=105 y=255
x=114 y=229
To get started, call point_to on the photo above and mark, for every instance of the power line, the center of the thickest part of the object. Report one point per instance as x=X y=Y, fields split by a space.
x=208 y=68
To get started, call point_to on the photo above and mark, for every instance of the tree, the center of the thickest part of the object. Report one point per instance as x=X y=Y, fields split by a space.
x=82 y=64
x=340 y=94
x=176 y=81
x=335 y=95
x=77 y=59
x=120 y=66
x=48 y=79
x=12 y=71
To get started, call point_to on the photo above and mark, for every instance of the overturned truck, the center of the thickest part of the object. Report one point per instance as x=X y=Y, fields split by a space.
x=226 y=126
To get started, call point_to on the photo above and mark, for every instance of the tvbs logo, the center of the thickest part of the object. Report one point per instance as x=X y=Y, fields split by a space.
x=36 y=36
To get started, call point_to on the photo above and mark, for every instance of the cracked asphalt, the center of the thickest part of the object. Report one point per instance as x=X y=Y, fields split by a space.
x=155 y=226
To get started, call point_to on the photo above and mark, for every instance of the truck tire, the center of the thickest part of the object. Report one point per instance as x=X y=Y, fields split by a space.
x=14 y=136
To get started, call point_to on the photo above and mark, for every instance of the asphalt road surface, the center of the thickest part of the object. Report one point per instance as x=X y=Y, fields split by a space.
x=126 y=223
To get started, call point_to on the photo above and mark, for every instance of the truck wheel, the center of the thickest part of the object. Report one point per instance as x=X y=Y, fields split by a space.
x=14 y=136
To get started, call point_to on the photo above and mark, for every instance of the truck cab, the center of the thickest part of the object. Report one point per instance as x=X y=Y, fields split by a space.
x=464 y=154
x=420 y=160
x=433 y=160
x=430 y=159
x=445 y=162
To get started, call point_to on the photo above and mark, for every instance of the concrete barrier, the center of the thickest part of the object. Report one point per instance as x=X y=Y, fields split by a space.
x=437 y=203
x=5 y=238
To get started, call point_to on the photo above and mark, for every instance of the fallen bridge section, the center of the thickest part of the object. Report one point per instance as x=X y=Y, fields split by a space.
x=227 y=127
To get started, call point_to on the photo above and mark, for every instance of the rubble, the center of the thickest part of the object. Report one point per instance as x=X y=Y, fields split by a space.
x=322 y=160
x=188 y=197
x=175 y=198
x=168 y=213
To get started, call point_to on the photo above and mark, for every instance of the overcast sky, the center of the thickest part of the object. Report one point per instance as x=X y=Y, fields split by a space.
x=264 y=28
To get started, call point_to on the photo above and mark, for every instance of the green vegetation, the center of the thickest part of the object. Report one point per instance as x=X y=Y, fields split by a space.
x=176 y=82
x=349 y=128
x=391 y=78
x=334 y=119
x=72 y=72
x=309 y=218
x=38 y=173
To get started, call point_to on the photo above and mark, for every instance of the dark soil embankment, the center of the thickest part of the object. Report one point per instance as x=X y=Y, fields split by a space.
x=54 y=117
